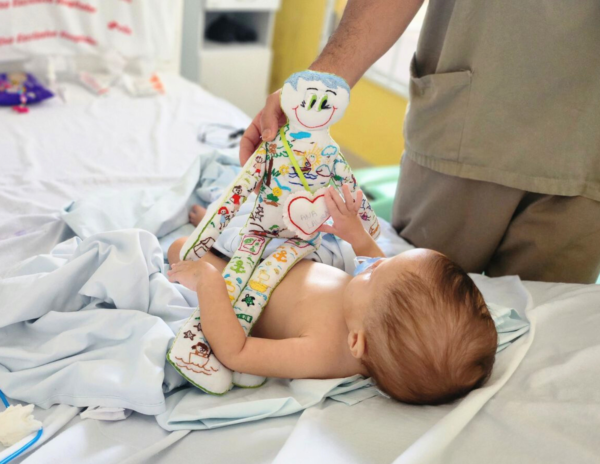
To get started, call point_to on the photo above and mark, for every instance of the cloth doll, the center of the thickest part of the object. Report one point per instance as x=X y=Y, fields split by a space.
x=293 y=172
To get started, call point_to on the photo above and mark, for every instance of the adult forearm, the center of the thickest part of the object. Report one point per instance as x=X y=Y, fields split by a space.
x=367 y=30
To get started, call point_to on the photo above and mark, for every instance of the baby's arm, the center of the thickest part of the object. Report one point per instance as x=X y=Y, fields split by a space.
x=294 y=358
x=342 y=174
x=347 y=224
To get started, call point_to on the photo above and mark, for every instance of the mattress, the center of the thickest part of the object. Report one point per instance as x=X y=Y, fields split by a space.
x=547 y=411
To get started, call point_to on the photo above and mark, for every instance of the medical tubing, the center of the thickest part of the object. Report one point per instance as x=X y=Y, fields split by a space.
x=4 y=400
x=24 y=448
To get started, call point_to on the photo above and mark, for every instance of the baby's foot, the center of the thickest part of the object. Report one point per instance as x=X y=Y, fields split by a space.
x=196 y=214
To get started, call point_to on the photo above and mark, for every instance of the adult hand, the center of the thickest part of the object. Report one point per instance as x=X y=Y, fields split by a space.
x=265 y=125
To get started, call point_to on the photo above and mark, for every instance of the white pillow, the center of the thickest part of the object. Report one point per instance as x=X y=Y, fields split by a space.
x=136 y=29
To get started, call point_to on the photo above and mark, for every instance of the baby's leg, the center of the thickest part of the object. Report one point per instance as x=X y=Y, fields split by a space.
x=174 y=249
x=196 y=215
x=197 y=212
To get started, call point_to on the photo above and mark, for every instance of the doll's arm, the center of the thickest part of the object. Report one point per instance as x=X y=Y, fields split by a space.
x=223 y=210
x=342 y=174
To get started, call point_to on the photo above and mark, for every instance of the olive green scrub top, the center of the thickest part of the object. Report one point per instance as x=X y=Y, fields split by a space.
x=508 y=91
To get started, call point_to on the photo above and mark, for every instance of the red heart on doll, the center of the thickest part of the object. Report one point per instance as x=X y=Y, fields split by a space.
x=304 y=212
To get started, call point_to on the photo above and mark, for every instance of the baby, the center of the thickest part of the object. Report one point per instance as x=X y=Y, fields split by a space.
x=416 y=322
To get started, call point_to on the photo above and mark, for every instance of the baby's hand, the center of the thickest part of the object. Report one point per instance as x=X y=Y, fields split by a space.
x=193 y=274
x=346 y=223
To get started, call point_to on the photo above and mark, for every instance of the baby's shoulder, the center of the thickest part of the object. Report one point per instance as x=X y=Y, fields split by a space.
x=318 y=286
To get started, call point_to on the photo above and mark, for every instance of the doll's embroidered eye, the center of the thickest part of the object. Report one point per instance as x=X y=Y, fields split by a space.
x=313 y=100
x=323 y=105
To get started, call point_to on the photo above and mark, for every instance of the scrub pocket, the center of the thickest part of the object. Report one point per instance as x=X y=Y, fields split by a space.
x=437 y=112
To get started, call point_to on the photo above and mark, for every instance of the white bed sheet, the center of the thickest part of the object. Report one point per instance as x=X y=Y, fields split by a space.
x=59 y=152
x=549 y=411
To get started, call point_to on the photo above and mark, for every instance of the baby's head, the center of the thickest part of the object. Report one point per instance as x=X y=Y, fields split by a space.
x=421 y=328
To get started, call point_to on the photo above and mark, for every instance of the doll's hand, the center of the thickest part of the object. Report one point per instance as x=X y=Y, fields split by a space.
x=346 y=223
x=195 y=274
x=263 y=127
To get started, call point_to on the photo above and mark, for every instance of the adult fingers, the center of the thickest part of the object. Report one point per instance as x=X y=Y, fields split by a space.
x=270 y=117
x=250 y=139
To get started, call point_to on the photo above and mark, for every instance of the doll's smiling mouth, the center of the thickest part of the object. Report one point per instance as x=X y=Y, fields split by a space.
x=314 y=127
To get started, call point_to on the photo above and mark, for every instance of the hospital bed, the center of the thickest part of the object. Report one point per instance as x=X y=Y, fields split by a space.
x=542 y=404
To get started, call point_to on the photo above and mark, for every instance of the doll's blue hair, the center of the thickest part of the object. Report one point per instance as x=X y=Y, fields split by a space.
x=330 y=80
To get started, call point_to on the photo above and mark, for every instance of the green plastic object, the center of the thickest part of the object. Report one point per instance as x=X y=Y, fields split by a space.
x=379 y=185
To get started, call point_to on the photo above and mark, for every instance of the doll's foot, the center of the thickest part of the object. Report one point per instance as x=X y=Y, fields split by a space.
x=196 y=214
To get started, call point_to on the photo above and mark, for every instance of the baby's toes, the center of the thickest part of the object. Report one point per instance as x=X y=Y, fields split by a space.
x=196 y=214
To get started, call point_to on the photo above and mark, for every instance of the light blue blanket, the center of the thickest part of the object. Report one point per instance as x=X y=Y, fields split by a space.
x=90 y=323
x=164 y=213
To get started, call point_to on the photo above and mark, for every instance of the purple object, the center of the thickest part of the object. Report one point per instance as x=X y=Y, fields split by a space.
x=21 y=89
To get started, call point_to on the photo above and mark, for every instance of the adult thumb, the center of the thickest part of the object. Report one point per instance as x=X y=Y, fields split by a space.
x=269 y=121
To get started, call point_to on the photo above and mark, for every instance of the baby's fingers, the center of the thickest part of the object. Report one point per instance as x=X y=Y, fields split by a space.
x=172 y=276
x=335 y=196
x=326 y=229
x=347 y=195
x=359 y=200
x=352 y=204
x=331 y=204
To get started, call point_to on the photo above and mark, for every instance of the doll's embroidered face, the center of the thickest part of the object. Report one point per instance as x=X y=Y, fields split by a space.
x=314 y=101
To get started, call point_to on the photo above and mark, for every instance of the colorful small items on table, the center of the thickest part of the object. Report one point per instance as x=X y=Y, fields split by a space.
x=18 y=90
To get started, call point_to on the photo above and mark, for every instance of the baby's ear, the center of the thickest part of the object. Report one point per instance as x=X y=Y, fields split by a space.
x=357 y=343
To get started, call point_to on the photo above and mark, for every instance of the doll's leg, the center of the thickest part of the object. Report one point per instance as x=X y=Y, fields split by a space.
x=266 y=277
x=191 y=354
x=264 y=280
x=242 y=264
x=223 y=210
x=192 y=357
